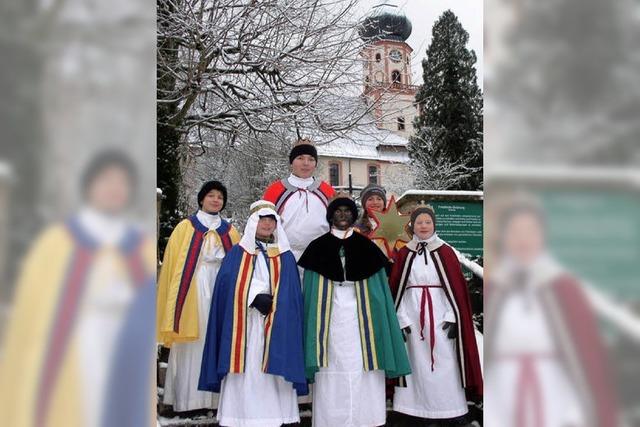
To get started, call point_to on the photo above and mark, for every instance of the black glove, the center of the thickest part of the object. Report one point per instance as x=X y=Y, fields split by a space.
x=405 y=331
x=262 y=303
x=452 y=330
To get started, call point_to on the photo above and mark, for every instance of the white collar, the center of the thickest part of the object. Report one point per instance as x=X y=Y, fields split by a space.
x=542 y=270
x=342 y=234
x=106 y=229
x=433 y=242
x=209 y=220
x=431 y=238
x=296 y=181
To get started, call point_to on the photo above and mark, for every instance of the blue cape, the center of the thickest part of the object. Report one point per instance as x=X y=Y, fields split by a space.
x=285 y=348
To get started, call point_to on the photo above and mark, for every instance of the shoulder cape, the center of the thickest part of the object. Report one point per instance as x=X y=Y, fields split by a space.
x=455 y=287
x=380 y=336
x=225 y=344
x=177 y=306
x=279 y=192
x=363 y=258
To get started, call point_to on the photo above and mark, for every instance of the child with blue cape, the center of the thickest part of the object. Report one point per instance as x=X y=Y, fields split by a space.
x=253 y=353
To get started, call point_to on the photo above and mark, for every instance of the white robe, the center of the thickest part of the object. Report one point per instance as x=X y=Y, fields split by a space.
x=303 y=216
x=344 y=394
x=304 y=219
x=107 y=298
x=526 y=373
x=253 y=398
x=183 y=371
x=435 y=393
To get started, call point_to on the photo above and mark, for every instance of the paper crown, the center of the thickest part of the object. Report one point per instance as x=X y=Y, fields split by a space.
x=261 y=204
x=341 y=195
x=423 y=205
x=303 y=141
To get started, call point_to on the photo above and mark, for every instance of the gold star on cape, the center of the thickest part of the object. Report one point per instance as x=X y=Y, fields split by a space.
x=390 y=225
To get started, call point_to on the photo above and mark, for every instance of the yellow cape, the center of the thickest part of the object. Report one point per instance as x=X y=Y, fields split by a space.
x=175 y=256
x=25 y=348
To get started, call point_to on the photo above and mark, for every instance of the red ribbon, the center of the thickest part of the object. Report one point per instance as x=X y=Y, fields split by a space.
x=426 y=297
x=529 y=393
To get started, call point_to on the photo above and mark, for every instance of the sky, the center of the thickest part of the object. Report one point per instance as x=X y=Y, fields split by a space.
x=424 y=13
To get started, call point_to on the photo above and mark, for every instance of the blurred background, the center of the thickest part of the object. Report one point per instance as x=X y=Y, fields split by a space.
x=562 y=213
x=562 y=210
x=77 y=210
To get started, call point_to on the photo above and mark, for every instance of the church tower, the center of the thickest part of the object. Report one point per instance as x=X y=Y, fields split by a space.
x=387 y=68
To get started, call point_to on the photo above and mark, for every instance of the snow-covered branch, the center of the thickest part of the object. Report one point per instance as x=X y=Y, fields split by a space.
x=245 y=66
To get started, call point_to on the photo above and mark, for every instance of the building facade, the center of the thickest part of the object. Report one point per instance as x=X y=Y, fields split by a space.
x=376 y=157
x=378 y=154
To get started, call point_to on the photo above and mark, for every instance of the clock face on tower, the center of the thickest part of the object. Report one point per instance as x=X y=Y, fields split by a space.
x=395 y=55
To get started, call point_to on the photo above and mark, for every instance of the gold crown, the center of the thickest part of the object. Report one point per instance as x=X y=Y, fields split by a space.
x=341 y=195
x=422 y=204
x=265 y=205
x=303 y=141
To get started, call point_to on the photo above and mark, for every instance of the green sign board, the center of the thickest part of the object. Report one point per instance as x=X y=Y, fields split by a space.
x=460 y=225
x=595 y=233
x=459 y=217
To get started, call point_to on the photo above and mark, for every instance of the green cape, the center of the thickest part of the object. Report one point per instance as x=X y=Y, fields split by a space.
x=380 y=335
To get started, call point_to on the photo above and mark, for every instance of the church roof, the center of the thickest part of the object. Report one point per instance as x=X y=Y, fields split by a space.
x=368 y=143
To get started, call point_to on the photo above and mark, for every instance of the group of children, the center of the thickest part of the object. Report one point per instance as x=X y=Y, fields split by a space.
x=305 y=303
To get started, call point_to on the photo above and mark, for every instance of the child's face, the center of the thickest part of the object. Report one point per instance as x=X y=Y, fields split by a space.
x=266 y=227
x=375 y=203
x=213 y=202
x=423 y=226
x=342 y=218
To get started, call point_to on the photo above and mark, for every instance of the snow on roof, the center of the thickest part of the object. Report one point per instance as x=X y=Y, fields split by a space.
x=370 y=143
x=566 y=174
x=450 y=195
x=442 y=193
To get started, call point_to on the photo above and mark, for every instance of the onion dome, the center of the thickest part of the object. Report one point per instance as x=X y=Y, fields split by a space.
x=385 y=22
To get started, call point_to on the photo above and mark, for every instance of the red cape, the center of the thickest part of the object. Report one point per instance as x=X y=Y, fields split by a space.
x=455 y=287
x=571 y=315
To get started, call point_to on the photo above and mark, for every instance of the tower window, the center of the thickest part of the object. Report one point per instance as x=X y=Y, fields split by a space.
x=374 y=172
x=334 y=173
x=401 y=123
x=395 y=77
x=378 y=57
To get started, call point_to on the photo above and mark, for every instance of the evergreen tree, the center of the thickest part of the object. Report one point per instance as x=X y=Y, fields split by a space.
x=446 y=149
x=169 y=174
